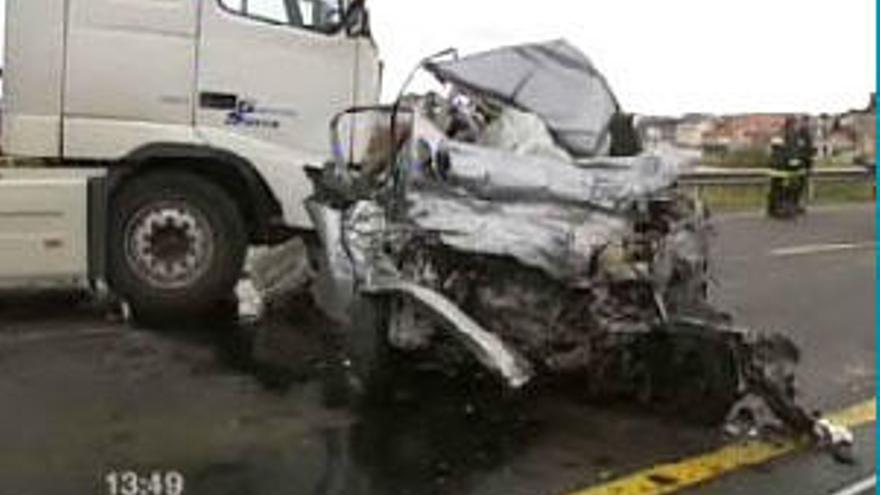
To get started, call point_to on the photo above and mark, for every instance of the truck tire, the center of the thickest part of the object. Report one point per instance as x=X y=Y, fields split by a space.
x=177 y=244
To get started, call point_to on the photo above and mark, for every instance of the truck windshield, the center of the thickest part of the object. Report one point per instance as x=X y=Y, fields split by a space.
x=319 y=15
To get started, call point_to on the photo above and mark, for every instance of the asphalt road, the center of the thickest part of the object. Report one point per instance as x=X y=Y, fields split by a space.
x=814 y=279
x=263 y=410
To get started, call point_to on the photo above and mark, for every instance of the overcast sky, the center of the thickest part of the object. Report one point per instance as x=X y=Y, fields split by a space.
x=670 y=56
x=664 y=57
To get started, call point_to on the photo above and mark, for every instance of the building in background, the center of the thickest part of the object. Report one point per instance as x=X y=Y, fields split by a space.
x=863 y=126
x=849 y=137
x=692 y=129
x=833 y=138
x=744 y=132
x=842 y=138
x=657 y=131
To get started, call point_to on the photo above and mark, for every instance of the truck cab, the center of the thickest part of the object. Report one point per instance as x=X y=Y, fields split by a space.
x=164 y=137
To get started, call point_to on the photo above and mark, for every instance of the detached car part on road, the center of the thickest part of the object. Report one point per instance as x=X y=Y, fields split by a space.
x=494 y=216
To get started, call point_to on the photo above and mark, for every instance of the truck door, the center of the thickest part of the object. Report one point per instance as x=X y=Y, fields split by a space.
x=275 y=71
x=129 y=74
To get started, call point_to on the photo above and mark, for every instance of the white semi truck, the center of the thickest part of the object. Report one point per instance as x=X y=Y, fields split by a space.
x=148 y=143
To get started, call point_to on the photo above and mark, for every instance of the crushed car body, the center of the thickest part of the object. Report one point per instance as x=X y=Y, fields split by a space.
x=495 y=216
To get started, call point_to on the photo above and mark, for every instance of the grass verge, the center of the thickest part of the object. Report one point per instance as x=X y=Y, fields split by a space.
x=745 y=197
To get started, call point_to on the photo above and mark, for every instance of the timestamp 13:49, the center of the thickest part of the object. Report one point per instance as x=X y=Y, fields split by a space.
x=153 y=483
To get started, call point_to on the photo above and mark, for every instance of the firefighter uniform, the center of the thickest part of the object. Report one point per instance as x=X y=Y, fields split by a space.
x=792 y=161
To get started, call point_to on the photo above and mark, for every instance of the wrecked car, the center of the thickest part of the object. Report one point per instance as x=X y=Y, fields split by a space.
x=510 y=221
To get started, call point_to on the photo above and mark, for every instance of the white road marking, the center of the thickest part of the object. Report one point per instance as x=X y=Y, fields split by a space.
x=821 y=248
x=859 y=488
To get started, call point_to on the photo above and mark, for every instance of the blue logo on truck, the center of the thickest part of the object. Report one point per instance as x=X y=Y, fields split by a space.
x=248 y=114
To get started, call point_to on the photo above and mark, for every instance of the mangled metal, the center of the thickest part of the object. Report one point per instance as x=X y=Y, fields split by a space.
x=553 y=80
x=522 y=133
x=546 y=213
x=540 y=263
x=355 y=264
x=491 y=351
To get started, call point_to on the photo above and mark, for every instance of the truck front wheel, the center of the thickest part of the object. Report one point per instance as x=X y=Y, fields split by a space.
x=177 y=244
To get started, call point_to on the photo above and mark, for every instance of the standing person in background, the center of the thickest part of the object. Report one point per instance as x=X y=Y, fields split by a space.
x=792 y=163
x=803 y=152
x=780 y=202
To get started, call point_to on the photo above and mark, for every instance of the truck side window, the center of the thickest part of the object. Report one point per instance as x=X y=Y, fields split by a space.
x=275 y=10
x=318 y=15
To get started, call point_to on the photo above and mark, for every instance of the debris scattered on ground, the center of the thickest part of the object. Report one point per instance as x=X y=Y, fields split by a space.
x=836 y=439
x=251 y=306
x=272 y=275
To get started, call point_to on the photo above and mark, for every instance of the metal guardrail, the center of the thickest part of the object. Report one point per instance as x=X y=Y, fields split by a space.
x=711 y=176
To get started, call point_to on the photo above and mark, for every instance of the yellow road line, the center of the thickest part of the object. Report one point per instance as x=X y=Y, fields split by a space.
x=676 y=476
x=858 y=415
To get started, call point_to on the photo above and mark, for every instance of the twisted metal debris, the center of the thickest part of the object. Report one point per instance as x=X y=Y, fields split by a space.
x=541 y=255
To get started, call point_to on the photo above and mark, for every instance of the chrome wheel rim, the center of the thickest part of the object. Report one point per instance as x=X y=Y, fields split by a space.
x=169 y=244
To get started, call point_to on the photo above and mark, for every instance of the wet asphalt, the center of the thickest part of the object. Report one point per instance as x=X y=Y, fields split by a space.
x=268 y=408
